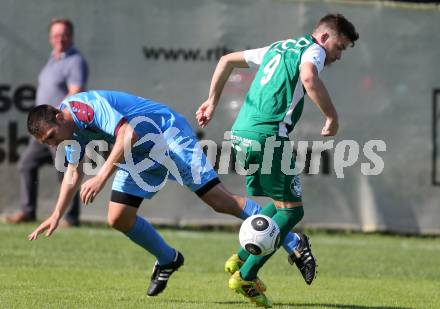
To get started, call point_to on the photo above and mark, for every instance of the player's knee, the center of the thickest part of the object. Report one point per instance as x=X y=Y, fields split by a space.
x=119 y=223
x=112 y=221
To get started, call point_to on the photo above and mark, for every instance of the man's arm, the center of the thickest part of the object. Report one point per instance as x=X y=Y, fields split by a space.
x=77 y=76
x=318 y=94
x=221 y=74
x=70 y=184
x=126 y=137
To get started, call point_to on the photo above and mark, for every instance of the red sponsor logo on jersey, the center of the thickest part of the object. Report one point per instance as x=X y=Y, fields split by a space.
x=82 y=111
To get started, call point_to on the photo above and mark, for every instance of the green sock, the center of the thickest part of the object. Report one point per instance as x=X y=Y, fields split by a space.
x=269 y=210
x=286 y=218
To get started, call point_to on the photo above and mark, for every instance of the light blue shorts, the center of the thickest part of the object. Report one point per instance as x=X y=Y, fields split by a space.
x=172 y=154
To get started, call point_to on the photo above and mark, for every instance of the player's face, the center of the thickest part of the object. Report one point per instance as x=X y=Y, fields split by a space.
x=334 y=46
x=54 y=134
x=60 y=37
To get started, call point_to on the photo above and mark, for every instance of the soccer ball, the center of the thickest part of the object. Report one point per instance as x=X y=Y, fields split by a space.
x=259 y=235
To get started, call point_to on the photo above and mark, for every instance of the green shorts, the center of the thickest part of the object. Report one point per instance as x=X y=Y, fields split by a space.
x=264 y=173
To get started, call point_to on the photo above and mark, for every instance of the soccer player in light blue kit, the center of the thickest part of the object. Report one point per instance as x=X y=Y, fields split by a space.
x=151 y=143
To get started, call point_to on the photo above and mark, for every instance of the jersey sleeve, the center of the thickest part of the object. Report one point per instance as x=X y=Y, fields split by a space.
x=254 y=57
x=96 y=115
x=316 y=55
x=107 y=119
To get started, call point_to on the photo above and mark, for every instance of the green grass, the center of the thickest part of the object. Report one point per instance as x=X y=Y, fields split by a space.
x=99 y=268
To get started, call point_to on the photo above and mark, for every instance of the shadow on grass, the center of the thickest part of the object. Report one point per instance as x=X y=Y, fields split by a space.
x=294 y=305
x=342 y=306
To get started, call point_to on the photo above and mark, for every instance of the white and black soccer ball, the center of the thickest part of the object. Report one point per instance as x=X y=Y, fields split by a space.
x=259 y=235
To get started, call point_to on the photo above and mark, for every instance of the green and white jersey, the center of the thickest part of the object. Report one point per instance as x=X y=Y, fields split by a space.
x=275 y=100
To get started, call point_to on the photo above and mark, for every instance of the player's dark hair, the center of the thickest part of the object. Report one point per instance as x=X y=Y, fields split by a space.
x=38 y=116
x=66 y=22
x=341 y=25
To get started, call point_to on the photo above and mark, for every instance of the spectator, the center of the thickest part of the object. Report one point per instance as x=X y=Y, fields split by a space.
x=64 y=74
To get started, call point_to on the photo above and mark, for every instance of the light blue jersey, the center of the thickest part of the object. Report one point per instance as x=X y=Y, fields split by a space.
x=166 y=146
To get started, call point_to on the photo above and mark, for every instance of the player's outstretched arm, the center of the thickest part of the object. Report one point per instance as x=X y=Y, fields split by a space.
x=319 y=95
x=69 y=186
x=126 y=138
x=221 y=74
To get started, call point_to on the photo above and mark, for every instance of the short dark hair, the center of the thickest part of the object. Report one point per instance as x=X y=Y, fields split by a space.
x=341 y=25
x=61 y=20
x=38 y=116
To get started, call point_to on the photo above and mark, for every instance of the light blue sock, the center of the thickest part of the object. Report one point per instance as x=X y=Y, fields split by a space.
x=290 y=242
x=144 y=234
x=252 y=208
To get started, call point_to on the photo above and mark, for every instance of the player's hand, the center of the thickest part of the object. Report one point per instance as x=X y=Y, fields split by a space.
x=330 y=128
x=90 y=189
x=50 y=224
x=205 y=112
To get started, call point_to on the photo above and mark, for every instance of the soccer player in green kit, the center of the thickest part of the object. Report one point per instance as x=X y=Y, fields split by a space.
x=273 y=105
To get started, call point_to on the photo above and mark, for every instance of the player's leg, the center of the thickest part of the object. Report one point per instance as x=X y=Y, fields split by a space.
x=214 y=194
x=198 y=174
x=122 y=215
x=287 y=216
x=247 y=156
x=289 y=244
x=220 y=199
x=245 y=281
x=218 y=196
x=286 y=189
x=286 y=219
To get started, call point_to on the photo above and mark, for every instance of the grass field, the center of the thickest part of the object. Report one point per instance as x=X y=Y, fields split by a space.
x=94 y=267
